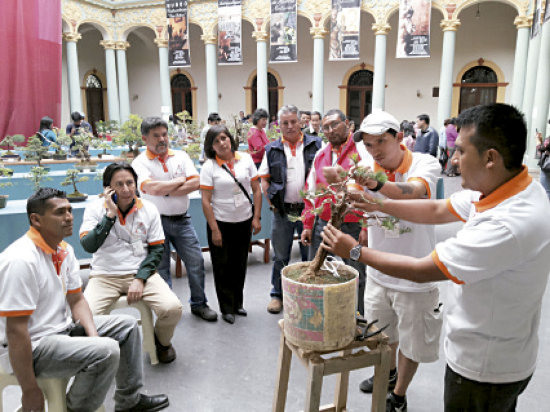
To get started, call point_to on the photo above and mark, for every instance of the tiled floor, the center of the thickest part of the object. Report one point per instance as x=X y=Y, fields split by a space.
x=231 y=368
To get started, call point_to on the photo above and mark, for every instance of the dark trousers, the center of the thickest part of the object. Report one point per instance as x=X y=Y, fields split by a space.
x=465 y=395
x=229 y=263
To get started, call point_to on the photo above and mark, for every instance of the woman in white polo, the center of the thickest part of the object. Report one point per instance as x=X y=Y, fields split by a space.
x=226 y=181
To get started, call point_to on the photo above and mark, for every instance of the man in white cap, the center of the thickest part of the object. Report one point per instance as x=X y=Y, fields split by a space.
x=410 y=309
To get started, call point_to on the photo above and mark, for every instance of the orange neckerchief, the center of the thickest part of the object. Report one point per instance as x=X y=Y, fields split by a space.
x=150 y=155
x=58 y=256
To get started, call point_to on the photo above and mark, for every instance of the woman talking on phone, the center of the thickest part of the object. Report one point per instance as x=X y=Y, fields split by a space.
x=232 y=213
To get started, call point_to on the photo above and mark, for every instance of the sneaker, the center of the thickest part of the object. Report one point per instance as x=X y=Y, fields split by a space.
x=393 y=405
x=275 y=306
x=205 y=312
x=367 y=385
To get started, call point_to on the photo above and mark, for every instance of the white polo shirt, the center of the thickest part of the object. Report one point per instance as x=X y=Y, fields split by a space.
x=296 y=170
x=228 y=200
x=499 y=263
x=34 y=282
x=420 y=240
x=126 y=244
x=177 y=163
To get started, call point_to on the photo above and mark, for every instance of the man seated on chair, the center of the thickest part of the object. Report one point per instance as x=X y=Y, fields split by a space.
x=125 y=235
x=48 y=326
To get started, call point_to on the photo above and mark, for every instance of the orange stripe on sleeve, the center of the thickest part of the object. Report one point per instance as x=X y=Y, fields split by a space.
x=255 y=178
x=355 y=186
x=158 y=242
x=73 y=291
x=13 y=313
x=444 y=269
x=142 y=183
x=453 y=211
x=265 y=176
x=192 y=177
x=204 y=187
x=426 y=185
x=83 y=234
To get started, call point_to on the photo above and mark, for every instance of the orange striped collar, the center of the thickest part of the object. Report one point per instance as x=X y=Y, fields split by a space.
x=236 y=157
x=293 y=146
x=58 y=256
x=403 y=167
x=150 y=155
x=505 y=191
x=138 y=204
x=39 y=241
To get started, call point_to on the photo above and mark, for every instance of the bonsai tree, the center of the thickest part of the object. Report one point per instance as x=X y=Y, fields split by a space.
x=9 y=142
x=34 y=149
x=72 y=178
x=193 y=150
x=37 y=175
x=130 y=134
x=5 y=173
x=62 y=140
x=82 y=143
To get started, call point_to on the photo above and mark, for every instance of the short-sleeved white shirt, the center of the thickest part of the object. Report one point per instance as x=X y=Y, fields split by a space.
x=499 y=262
x=296 y=171
x=177 y=164
x=228 y=200
x=117 y=256
x=420 y=241
x=30 y=285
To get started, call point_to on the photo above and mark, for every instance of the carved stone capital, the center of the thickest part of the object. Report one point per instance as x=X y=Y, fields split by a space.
x=108 y=44
x=260 y=35
x=209 y=39
x=522 y=22
x=161 y=42
x=450 y=25
x=318 y=32
x=381 y=28
x=122 y=45
x=72 y=36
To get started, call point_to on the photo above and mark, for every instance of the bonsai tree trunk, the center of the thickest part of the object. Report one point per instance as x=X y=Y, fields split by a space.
x=74 y=186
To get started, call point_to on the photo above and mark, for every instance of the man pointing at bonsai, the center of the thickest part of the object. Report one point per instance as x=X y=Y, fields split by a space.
x=498 y=262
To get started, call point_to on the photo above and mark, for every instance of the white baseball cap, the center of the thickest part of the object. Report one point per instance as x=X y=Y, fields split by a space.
x=377 y=123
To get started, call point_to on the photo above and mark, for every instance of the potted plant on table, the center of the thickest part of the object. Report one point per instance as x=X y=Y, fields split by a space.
x=130 y=135
x=72 y=178
x=35 y=151
x=37 y=175
x=63 y=140
x=5 y=175
x=9 y=142
x=82 y=142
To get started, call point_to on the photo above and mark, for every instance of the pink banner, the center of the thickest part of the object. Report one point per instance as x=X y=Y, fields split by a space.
x=30 y=73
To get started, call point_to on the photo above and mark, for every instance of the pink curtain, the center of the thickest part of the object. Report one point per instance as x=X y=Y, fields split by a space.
x=30 y=64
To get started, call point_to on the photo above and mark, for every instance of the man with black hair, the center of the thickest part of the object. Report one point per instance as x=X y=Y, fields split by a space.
x=305 y=117
x=314 y=128
x=166 y=177
x=213 y=119
x=48 y=327
x=125 y=236
x=427 y=138
x=498 y=262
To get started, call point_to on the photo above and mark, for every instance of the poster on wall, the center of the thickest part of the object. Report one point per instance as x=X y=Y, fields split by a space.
x=344 y=30
x=178 y=39
x=535 y=26
x=413 y=34
x=229 y=32
x=283 y=34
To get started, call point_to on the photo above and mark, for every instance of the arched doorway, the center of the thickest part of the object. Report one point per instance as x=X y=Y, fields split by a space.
x=359 y=96
x=182 y=96
x=272 y=93
x=478 y=86
x=94 y=100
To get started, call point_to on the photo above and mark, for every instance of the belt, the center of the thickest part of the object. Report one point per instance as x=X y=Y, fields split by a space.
x=174 y=217
x=294 y=207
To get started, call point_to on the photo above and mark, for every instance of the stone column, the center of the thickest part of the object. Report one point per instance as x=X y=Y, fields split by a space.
x=210 y=45
x=318 y=86
x=123 y=91
x=262 y=99
x=73 y=74
x=523 y=25
x=165 y=90
x=446 y=76
x=112 y=88
x=379 y=82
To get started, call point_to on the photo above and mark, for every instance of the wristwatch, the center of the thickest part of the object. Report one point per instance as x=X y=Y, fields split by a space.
x=378 y=186
x=355 y=252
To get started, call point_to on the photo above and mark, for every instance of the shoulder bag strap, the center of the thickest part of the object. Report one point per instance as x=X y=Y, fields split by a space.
x=224 y=167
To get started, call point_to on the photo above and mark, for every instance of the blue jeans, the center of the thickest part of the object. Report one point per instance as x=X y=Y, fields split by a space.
x=545 y=181
x=282 y=237
x=94 y=362
x=181 y=234
x=353 y=229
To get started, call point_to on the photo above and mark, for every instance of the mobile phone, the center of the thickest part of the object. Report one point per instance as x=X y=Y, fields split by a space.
x=114 y=197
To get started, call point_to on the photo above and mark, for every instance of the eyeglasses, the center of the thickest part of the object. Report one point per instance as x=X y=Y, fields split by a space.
x=330 y=127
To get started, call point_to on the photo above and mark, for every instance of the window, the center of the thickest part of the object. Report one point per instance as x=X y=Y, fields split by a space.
x=478 y=86
x=94 y=101
x=359 y=96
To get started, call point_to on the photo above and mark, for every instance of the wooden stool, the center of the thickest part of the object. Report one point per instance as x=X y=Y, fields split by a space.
x=345 y=361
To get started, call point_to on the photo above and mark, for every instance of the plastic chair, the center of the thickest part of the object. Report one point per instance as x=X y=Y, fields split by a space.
x=146 y=321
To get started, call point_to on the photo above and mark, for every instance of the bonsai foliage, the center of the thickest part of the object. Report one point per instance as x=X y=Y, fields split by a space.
x=337 y=195
x=72 y=178
x=191 y=128
x=37 y=175
x=239 y=129
x=62 y=140
x=130 y=134
x=6 y=173
x=35 y=150
x=82 y=142
x=9 y=142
